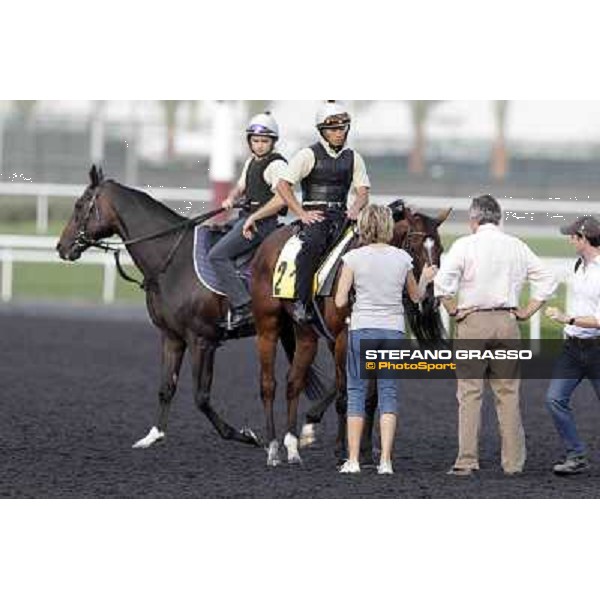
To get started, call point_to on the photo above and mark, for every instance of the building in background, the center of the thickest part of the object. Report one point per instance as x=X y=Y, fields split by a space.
x=447 y=147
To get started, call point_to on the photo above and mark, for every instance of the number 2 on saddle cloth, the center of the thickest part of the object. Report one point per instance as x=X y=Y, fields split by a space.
x=340 y=235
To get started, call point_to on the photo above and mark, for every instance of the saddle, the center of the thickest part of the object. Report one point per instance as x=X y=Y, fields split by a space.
x=284 y=275
x=205 y=237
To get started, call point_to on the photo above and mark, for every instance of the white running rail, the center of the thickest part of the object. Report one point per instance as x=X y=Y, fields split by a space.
x=41 y=249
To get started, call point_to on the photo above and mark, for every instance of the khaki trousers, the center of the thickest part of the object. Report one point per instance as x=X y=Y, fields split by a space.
x=491 y=328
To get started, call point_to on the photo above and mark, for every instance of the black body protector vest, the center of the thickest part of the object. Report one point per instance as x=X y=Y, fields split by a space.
x=330 y=179
x=258 y=191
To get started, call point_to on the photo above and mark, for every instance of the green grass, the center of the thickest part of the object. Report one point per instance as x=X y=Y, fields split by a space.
x=542 y=246
x=84 y=282
x=28 y=228
x=548 y=329
x=68 y=280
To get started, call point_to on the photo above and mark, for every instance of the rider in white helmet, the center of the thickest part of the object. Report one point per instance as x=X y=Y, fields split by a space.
x=257 y=183
x=327 y=171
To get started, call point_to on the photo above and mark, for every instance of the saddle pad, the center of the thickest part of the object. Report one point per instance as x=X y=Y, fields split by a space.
x=325 y=275
x=204 y=269
x=284 y=276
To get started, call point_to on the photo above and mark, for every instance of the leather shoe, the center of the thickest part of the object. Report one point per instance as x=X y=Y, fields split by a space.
x=461 y=472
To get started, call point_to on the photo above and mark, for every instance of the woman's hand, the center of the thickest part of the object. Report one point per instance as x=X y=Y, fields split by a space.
x=428 y=274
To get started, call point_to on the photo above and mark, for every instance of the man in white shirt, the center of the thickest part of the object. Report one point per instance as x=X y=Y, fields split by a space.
x=580 y=356
x=487 y=271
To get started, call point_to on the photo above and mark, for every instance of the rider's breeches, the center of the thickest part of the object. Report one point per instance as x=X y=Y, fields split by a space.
x=223 y=254
x=316 y=238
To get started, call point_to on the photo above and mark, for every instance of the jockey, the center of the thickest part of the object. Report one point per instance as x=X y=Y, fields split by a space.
x=257 y=183
x=326 y=171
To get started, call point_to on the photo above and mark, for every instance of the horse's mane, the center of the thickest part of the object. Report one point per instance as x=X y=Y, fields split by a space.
x=148 y=201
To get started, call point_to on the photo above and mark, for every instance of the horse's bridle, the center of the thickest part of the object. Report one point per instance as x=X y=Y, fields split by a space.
x=83 y=241
x=405 y=245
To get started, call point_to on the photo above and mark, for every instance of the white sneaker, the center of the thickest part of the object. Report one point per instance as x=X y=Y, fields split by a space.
x=385 y=468
x=350 y=466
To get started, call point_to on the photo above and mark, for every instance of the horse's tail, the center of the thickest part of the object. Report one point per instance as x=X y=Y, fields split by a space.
x=316 y=378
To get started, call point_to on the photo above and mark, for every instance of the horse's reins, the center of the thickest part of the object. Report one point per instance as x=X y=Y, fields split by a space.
x=84 y=241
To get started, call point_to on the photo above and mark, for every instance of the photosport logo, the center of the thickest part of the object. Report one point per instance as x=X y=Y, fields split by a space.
x=459 y=359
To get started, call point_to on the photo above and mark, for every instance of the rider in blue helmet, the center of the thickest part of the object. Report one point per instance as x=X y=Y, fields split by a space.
x=257 y=183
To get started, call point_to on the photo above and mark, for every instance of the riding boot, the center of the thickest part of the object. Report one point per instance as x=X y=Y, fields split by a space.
x=239 y=315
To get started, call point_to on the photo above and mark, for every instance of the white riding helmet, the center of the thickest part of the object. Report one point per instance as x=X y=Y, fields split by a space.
x=332 y=114
x=263 y=124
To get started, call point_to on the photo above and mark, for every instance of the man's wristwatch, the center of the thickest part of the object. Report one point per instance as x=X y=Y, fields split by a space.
x=572 y=321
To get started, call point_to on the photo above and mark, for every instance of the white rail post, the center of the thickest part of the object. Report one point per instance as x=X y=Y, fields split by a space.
x=1 y=138
x=535 y=328
x=97 y=133
x=7 y=274
x=110 y=280
x=568 y=298
x=42 y=213
x=131 y=154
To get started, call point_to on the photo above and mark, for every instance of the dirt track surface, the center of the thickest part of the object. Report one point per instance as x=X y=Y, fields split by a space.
x=78 y=388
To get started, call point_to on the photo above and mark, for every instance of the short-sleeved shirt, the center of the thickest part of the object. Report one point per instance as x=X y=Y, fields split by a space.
x=379 y=276
x=585 y=298
x=272 y=173
x=302 y=164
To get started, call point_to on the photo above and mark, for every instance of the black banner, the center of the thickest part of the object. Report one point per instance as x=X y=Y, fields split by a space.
x=470 y=359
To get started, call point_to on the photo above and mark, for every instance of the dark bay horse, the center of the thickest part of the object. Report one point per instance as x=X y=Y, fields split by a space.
x=178 y=304
x=414 y=232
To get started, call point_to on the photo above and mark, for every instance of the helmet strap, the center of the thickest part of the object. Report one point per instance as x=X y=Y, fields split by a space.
x=336 y=149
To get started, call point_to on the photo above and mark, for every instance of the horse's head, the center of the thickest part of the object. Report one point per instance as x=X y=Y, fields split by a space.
x=417 y=234
x=93 y=219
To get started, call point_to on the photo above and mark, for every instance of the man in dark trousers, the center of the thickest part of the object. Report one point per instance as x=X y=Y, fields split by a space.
x=257 y=183
x=326 y=171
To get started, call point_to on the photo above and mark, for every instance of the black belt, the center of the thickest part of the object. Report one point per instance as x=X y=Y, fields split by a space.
x=580 y=340
x=324 y=205
x=497 y=309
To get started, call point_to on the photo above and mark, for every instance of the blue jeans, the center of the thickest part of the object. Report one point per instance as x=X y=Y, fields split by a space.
x=578 y=359
x=387 y=389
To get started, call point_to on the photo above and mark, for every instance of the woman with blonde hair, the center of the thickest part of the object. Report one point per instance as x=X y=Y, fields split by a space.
x=378 y=272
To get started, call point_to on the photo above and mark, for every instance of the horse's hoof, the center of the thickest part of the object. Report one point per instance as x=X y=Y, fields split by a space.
x=273 y=454
x=251 y=437
x=290 y=441
x=154 y=436
x=308 y=435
